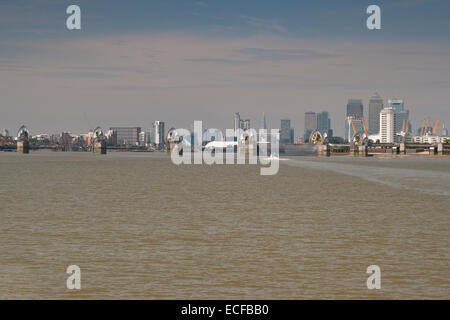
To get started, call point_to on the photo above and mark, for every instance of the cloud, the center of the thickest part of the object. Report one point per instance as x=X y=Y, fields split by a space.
x=267 y=24
x=216 y=60
x=283 y=54
x=255 y=54
x=200 y=4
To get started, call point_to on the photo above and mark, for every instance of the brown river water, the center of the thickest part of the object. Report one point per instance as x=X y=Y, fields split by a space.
x=141 y=227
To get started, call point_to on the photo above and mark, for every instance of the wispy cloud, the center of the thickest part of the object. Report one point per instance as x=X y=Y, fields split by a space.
x=200 y=3
x=254 y=55
x=216 y=60
x=263 y=23
x=283 y=54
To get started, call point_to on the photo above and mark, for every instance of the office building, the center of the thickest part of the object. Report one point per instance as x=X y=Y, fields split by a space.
x=157 y=135
x=145 y=137
x=444 y=131
x=387 y=125
x=401 y=118
x=286 y=132
x=127 y=135
x=396 y=104
x=355 y=108
x=401 y=115
x=324 y=123
x=310 y=124
x=375 y=107
x=237 y=121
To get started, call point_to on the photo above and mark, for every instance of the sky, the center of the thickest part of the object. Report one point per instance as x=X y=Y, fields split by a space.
x=133 y=62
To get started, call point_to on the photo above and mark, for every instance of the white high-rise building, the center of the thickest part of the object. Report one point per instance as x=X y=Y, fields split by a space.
x=237 y=121
x=444 y=131
x=387 y=125
x=158 y=134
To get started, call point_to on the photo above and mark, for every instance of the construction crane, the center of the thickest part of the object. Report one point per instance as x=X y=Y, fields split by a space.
x=353 y=126
x=405 y=126
x=426 y=126
x=425 y=123
x=356 y=138
x=422 y=127
x=436 y=124
x=364 y=126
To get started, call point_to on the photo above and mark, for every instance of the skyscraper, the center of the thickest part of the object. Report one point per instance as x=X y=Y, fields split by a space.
x=158 y=134
x=324 y=123
x=263 y=122
x=401 y=115
x=355 y=108
x=396 y=104
x=263 y=137
x=286 y=132
x=310 y=124
x=387 y=125
x=375 y=107
x=237 y=121
x=401 y=118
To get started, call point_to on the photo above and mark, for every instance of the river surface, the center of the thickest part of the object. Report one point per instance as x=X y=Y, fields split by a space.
x=141 y=227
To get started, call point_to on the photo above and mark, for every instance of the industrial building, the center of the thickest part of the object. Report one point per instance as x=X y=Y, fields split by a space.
x=127 y=135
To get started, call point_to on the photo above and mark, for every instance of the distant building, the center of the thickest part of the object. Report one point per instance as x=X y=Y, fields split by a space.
x=158 y=137
x=111 y=137
x=375 y=107
x=396 y=104
x=286 y=132
x=142 y=138
x=401 y=115
x=401 y=118
x=324 y=124
x=127 y=135
x=310 y=124
x=263 y=138
x=5 y=133
x=444 y=131
x=355 y=108
x=432 y=139
x=387 y=125
x=263 y=122
x=237 y=121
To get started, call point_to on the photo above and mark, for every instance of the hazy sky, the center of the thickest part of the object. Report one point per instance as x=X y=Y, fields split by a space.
x=179 y=61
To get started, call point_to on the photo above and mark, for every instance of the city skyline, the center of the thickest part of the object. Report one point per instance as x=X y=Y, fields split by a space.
x=312 y=121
